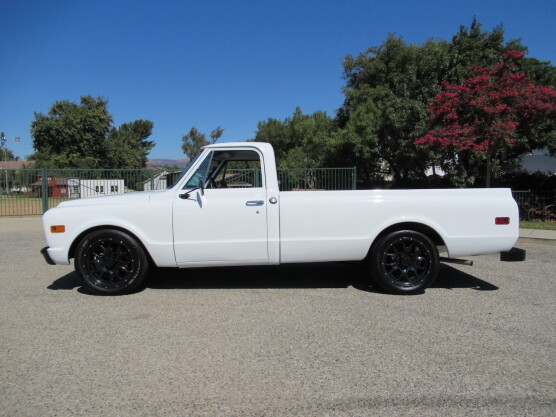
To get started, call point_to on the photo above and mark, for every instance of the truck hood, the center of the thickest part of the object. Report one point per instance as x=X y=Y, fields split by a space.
x=139 y=197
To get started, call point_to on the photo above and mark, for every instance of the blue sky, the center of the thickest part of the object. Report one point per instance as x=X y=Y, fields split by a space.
x=209 y=63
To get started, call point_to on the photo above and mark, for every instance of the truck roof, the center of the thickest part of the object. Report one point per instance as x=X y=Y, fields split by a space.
x=263 y=146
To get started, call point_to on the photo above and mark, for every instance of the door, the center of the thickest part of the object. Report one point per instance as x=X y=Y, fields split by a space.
x=227 y=224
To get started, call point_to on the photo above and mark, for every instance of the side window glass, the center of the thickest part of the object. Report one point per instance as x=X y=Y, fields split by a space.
x=236 y=169
x=200 y=173
x=243 y=174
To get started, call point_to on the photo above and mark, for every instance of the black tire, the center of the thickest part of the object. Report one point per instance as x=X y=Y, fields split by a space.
x=110 y=262
x=404 y=262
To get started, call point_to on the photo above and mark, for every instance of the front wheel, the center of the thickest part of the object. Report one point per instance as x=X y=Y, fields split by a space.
x=404 y=262
x=110 y=262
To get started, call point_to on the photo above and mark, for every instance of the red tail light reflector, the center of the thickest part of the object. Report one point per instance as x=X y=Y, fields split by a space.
x=502 y=220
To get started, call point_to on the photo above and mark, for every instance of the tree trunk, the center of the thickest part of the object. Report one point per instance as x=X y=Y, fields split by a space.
x=488 y=168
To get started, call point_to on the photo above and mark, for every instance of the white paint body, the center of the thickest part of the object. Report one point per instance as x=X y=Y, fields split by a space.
x=218 y=228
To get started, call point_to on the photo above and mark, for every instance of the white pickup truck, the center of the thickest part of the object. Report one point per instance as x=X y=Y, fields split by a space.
x=210 y=218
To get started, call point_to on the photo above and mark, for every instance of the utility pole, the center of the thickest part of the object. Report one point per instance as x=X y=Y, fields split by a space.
x=3 y=140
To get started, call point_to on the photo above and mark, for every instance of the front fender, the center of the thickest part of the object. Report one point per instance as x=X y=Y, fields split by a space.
x=153 y=231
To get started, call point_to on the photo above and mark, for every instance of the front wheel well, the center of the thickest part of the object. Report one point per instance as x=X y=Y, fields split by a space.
x=73 y=247
x=416 y=227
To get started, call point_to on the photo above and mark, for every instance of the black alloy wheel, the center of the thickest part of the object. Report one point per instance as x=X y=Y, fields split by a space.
x=110 y=262
x=404 y=262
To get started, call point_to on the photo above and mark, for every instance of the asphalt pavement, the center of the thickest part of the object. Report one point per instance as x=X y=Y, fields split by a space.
x=294 y=340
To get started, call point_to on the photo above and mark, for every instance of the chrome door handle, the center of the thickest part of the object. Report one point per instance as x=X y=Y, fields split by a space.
x=254 y=203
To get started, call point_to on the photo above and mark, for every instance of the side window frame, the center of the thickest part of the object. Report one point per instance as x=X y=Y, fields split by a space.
x=184 y=184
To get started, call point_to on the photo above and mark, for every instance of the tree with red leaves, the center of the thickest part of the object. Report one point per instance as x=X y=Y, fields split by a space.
x=493 y=110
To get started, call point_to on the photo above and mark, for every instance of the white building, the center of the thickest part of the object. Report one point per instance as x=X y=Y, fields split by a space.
x=539 y=161
x=95 y=188
x=161 y=180
x=156 y=182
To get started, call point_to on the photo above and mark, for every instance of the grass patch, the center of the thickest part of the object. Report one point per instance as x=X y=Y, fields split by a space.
x=25 y=206
x=537 y=225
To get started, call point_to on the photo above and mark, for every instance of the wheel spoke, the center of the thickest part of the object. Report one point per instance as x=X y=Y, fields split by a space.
x=120 y=251
x=124 y=269
x=108 y=275
x=99 y=266
x=406 y=261
x=110 y=263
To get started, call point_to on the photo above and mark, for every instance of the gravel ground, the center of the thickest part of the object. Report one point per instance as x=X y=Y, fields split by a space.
x=296 y=340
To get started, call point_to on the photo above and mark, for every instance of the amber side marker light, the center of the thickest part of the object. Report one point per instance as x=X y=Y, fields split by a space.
x=502 y=220
x=58 y=229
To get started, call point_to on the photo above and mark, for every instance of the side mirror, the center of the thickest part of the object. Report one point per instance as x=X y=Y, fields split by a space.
x=200 y=186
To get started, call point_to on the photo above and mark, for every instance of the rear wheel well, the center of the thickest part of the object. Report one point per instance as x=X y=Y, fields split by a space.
x=416 y=227
x=79 y=238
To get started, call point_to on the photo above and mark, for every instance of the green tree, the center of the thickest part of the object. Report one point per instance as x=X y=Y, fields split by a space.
x=72 y=135
x=127 y=145
x=193 y=141
x=540 y=72
x=399 y=80
x=299 y=141
x=402 y=80
x=277 y=133
x=7 y=154
x=216 y=134
x=474 y=46
x=356 y=143
x=388 y=91
x=82 y=136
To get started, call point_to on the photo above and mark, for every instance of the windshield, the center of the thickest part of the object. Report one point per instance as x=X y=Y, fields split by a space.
x=185 y=170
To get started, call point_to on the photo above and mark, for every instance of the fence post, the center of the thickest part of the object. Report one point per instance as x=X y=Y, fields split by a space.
x=353 y=179
x=44 y=190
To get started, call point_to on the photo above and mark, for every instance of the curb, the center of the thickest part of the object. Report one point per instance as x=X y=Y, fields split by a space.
x=537 y=236
x=537 y=241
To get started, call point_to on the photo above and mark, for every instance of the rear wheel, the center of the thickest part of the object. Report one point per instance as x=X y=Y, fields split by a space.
x=404 y=262
x=110 y=262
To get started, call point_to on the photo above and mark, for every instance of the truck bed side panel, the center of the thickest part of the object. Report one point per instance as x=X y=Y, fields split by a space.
x=341 y=225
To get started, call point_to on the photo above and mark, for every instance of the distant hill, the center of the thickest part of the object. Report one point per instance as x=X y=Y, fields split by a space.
x=167 y=162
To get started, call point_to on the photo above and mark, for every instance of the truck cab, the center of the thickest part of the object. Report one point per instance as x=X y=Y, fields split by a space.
x=231 y=197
